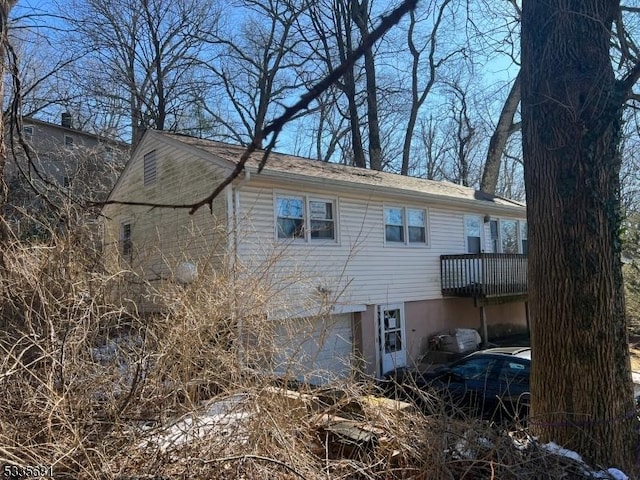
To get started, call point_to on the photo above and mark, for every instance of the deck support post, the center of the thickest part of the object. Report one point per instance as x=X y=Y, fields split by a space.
x=483 y=327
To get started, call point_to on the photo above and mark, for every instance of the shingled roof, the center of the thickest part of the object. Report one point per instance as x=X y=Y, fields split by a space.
x=298 y=166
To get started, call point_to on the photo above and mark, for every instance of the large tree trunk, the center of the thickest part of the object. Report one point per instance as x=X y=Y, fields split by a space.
x=582 y=395
x=498 y=141
x=5 y=9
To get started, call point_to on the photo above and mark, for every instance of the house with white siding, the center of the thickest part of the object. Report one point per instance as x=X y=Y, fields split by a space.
x=368 y=265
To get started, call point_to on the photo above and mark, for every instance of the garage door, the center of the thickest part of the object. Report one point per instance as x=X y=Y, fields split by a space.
x=316 y=351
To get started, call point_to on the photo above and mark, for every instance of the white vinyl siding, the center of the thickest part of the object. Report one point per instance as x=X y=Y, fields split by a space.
x=361 y=268
x=165 y=238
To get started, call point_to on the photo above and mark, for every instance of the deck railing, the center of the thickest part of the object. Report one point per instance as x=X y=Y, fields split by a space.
x=483 y=275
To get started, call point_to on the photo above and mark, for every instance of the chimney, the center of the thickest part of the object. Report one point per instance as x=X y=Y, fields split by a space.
x=67 y=120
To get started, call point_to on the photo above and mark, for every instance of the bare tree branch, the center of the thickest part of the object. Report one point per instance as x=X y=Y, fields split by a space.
x=275 y=127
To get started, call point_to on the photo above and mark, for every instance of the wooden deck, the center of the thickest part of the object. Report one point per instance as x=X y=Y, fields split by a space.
x=486 y=277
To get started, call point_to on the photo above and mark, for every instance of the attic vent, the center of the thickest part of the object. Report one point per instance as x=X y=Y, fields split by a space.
x=150 y=168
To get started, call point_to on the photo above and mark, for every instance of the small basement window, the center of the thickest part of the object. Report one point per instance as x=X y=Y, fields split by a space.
x=68 y=141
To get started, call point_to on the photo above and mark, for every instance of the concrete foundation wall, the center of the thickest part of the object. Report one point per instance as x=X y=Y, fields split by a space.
x=428 y=317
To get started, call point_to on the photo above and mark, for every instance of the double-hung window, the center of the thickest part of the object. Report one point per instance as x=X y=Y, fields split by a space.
x=524 y=238
x=509 y=236
x=394 y=224
x=405 y=226
x=305 y=218
x=290 y=217
x=473 y=233
x=416 y=225
x=322 y=221
x=126 y=240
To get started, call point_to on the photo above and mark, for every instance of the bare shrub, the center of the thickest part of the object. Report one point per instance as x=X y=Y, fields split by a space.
x=99 y=391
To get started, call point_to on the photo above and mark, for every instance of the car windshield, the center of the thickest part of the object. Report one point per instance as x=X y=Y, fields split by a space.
x=514 y=373
x=474 y=368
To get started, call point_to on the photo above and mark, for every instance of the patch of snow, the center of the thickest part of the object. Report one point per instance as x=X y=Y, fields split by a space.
x=556 y=449
x=467 y=448
x=220 y=418
x=611 y=473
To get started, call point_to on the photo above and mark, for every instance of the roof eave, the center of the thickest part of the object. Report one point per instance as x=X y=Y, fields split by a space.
x=447 y=200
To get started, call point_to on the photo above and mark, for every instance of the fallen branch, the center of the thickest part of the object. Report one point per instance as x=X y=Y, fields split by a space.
x=257 y=457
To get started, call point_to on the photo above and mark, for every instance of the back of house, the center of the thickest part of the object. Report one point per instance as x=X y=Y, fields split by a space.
x=355 y=269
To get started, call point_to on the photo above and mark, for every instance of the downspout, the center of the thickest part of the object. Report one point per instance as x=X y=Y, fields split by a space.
x=233 y=222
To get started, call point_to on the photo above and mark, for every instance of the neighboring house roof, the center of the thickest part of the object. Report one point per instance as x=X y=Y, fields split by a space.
x=289 y=165
x=75 y=131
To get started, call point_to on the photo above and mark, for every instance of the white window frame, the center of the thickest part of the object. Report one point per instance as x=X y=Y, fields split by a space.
x=480 y=219
x=108 y=153
x=522 y=237
x=406 y=241
x=28 y=135
x=306 y=236
x=516 y=223
x=495 y=242
x=331 y=220
x=519 y=233
x=126 y=242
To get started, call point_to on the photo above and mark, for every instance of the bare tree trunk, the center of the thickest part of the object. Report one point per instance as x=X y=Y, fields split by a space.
x=345 y=47
x=360 y=13
x=418 y=97
x=582 y=395
x=498 y=142
x=5 y=9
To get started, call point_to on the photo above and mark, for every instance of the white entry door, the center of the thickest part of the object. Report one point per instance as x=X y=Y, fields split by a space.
x=392 y=344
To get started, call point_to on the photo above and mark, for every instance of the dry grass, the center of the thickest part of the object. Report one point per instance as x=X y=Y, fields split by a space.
x=99 y=392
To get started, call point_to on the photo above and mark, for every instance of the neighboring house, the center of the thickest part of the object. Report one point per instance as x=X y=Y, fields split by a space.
x=64 y=161
x=396 y=259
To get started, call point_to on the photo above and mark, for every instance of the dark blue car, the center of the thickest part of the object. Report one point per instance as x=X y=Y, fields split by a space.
x=491 y=384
